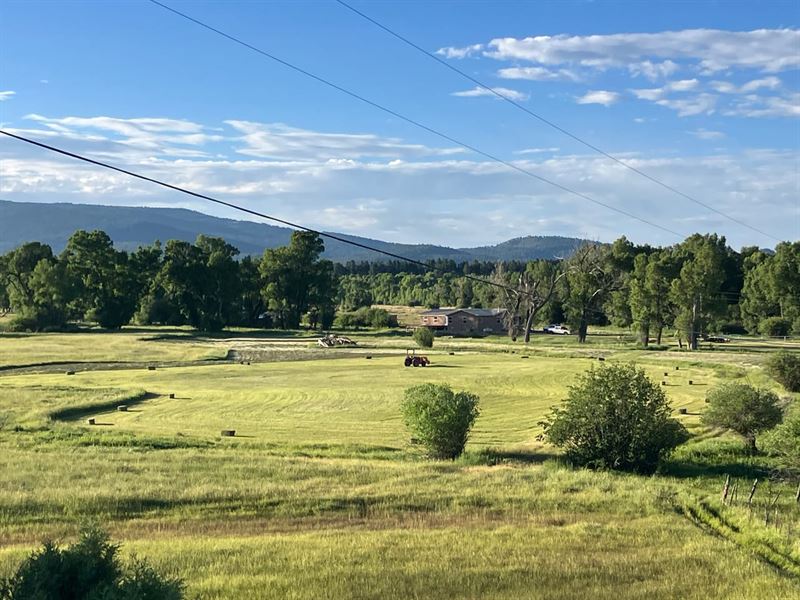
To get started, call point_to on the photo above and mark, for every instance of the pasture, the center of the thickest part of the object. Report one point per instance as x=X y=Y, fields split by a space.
x=320 y=495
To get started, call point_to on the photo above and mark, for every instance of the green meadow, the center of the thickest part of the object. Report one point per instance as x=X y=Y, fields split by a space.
x=320 y=494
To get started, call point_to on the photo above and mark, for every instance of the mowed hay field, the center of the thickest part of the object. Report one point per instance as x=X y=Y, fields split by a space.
x=319 y=495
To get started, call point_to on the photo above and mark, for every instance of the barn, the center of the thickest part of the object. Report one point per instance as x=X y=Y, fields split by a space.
x=465 y=321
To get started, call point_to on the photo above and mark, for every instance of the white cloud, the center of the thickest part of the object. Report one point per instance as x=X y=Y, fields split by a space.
x=725 y=87
x=7 y=95
x=329 y=187
x=694 y=105
x=653 y=71
x=466 y=51
x=478 y=91
x=754 y=105
x=279 y=141
x=538 y=74
x=537 y=151
x=712 y=50
x=706 y=134
x=684 y=85
x=603 y=97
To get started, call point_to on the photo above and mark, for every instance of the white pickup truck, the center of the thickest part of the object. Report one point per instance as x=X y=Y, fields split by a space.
x=557 y=330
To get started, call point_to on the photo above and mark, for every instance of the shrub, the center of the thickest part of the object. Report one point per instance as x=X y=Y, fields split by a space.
x=90 y=568
x=732 y=328
x=615 y=418
x=784 y=440
x=439 y=418
x=424 y=337
x=744 y=409
x=775 y=326
x=785 y=368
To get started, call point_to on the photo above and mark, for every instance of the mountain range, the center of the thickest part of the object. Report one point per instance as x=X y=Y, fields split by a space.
x=131 y=227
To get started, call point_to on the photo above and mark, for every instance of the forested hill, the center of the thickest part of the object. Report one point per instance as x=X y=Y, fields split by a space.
x=131 y=227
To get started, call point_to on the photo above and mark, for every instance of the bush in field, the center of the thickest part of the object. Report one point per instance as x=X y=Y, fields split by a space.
x=784 y=440
x=439 y=418
x=744 y=409
x=424 y=337
x=775 y=326
x=615 y=418
x=785 y=368
x=89 y=569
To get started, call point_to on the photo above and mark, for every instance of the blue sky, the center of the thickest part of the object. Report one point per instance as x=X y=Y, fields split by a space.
x=702 y=95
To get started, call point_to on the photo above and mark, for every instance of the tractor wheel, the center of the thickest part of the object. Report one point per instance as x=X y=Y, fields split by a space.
x=416 y=361
x=408 y=361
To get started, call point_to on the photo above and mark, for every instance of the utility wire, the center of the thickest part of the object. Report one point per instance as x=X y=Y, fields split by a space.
x=183 y=190
x=555 y=126
x=413 y=121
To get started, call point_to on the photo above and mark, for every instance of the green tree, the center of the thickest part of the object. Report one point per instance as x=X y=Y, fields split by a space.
x=439 y=418
x=784 y=366
x=105 y=285
x=784 y=440
x=696 y=291
x=297 y=280
x=649 y=294
x=615 y=418
x=202 y=281
x=588 y=281
x=744 y=409
x=423 y=337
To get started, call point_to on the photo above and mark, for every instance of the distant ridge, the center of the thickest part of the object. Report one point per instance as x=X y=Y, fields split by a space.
x=131 y=227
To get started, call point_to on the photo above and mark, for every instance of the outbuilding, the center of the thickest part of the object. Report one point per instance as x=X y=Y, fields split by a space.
x=465 y=321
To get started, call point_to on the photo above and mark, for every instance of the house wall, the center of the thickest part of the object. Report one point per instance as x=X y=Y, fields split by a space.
x=435 y=321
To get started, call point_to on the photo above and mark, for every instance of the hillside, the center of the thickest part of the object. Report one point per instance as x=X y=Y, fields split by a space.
x=131 y=227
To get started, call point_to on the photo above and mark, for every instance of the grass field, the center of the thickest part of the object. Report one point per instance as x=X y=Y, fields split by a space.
x=320 y=495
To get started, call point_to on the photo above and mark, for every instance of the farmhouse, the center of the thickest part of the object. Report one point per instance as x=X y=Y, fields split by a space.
x=465 y=321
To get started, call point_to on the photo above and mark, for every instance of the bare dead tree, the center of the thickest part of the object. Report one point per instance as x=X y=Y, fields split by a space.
x=531 y=291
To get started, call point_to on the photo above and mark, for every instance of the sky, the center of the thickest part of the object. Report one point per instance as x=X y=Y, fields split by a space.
x=702 y=95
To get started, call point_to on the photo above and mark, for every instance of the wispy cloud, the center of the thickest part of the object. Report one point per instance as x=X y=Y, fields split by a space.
x=653 y=70
x=693 y=105
x=726 y=87
x=712 y=50
x=7 y=95
x=706 y=134
x=538 y=74
x=478 y=91
x=323 y=182
x=451 y=52
x=604 y=97
x=537 y=151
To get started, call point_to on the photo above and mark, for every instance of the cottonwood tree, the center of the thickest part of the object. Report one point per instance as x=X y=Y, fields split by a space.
x=37 y=287
x=588 y=281
x=202 y=281
x=297 y=281
x=105 y=285
x=696 y=290
x=649 y=294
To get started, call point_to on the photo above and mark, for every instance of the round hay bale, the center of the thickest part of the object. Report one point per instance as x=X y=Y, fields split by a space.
x=663 y=383
x=70 y=372
x=91 y=421
x=601 y=359
x=690 y=382
x=666 y=374
x=368 y=357
x=682 y=411
x=452 y=353
x=151 y=368
x=677 y=368
x=524 y=356
x=228 y=433
x=122 y=408
x=172 y=396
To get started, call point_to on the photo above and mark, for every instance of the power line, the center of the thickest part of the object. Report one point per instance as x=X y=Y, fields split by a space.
x=535 y=115
x=413 y=121
x=246 y=210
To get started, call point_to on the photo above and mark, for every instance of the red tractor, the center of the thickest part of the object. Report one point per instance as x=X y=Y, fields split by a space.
x=412 y=360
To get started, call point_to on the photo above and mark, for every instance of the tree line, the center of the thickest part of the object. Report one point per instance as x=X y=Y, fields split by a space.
x=202 y=284
x=696 y=287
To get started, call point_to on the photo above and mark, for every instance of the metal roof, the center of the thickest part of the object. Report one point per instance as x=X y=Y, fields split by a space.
x=475 y=312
